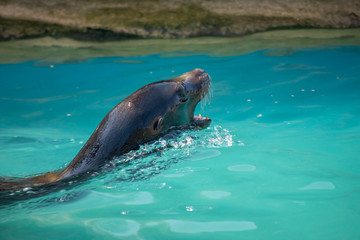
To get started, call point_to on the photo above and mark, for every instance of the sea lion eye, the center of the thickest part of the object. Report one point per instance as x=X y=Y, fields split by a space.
x=184 y=98
x=157 y=124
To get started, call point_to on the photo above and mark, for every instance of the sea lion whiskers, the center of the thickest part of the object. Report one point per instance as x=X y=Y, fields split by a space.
x=206 y=94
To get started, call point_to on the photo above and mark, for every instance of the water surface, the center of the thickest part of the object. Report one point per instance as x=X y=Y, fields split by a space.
x=280 y=160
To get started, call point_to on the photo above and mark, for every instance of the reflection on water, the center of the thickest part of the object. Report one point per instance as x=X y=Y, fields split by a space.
x=277 y=43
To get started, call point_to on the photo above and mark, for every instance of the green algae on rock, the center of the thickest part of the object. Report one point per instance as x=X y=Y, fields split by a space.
x=99 y=20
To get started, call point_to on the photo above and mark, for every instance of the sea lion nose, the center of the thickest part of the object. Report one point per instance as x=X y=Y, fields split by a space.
x=199 y=70
x=198 y=73
x=196 y=80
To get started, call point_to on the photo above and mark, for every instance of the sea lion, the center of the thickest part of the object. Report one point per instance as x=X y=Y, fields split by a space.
x=145 y=115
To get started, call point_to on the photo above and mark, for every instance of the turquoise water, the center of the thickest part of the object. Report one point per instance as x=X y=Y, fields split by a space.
x=281 y=159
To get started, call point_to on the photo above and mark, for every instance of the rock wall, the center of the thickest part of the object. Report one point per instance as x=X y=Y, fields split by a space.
x=101 y=20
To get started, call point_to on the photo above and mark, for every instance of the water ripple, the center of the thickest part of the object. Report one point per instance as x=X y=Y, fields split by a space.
x=242 y=168
x=215 y=194
x=116 y=227
x=180 y=226
x=319 y=186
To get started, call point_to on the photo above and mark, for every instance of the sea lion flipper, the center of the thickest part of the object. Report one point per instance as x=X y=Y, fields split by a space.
x=15 y=183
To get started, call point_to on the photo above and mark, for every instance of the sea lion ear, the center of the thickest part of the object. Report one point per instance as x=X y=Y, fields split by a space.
x=182 y=94
x=157 y=124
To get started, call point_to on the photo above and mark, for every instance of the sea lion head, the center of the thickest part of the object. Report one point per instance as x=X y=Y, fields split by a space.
x=161 y=106
x=192 y=87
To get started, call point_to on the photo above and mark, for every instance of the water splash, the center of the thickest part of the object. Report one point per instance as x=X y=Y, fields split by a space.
x=136 y=166
x=152 y=159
